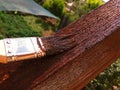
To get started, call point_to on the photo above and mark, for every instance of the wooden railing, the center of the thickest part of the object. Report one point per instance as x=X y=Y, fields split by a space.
x=98 y=45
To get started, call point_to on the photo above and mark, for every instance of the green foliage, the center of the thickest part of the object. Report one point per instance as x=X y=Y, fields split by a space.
x=15 y=26
x=39 y=24
x=82 y=7
x=107 y=79
x=1 y=36
x=57 y=7
x=92 y=4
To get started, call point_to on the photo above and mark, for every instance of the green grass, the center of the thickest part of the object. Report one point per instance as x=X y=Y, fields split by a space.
x=12 y=25
x=15 y=26
x=38 y=24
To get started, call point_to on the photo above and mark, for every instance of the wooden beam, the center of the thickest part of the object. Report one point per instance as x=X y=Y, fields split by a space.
x=97 y=39
x=77 y=73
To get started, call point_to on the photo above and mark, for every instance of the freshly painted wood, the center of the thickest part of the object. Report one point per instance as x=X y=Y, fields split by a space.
x=77 y=73
x=97 y=45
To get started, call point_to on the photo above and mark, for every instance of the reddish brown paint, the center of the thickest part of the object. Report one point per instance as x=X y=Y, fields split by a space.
x=77 y=66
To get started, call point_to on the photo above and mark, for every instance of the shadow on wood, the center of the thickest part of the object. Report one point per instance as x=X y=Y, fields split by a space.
x=98 y=40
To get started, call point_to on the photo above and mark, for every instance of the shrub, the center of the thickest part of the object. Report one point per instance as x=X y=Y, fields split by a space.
x=57 y=7
x=107 y=79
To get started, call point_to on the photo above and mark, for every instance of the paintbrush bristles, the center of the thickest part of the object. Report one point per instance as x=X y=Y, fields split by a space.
x=58 y=44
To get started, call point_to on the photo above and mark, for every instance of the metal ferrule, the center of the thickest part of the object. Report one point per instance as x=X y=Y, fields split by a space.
x=23 y=48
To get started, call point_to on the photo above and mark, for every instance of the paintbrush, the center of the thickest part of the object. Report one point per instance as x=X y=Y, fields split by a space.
x=80 y=35
x=17 y=49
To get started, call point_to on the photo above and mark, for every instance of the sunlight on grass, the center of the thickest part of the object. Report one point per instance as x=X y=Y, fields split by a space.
x=38 y=24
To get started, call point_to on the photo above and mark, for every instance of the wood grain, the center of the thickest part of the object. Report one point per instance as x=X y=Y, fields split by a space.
x=77 y=73
x=96 y=37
